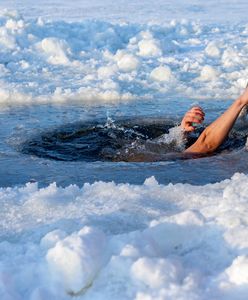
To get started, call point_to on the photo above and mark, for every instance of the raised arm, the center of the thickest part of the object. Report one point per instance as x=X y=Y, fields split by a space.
x=214 y=135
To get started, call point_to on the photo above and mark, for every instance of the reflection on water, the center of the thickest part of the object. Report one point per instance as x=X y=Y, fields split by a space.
x=122 y=140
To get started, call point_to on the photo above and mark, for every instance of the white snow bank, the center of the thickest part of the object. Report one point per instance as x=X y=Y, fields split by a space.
x=109 y=241
x=47 y=61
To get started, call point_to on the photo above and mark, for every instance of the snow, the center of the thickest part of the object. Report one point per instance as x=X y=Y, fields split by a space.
x=46 y=61
x=126 y=62
x=190 y=244
x=237 y=272
x=227 y=11
x=148 y=46
x=208 y=73
x=75 y=261
x=55 y=49
x=122 y=241
x=212 y=50
x=162 y=73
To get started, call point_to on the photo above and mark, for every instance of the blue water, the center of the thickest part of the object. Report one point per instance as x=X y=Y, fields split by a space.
x=19 y=124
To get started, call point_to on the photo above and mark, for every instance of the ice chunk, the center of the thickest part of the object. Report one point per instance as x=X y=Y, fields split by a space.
x=149 y=47
x=212 y=50
x=75 y=261
x=238 y=271
x=56 y=50
x=162 y=74
x=126 y=62
x=106 y=71
x=208 y=73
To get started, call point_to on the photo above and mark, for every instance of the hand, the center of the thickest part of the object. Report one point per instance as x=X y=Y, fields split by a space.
x=194 y=115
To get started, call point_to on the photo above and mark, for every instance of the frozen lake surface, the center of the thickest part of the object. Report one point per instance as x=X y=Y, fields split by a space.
x=139 y=11
x=102 y=228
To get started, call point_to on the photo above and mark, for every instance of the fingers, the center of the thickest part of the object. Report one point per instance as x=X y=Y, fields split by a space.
x=195 y=114
x=197 y=109
x=194 y=117
x=190 y=128
x=193 y=120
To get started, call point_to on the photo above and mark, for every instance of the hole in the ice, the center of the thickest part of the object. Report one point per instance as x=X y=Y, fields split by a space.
x=122 y=140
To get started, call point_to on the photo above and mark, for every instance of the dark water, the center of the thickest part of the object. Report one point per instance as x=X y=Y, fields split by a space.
x=137 y=140
x=46 y=144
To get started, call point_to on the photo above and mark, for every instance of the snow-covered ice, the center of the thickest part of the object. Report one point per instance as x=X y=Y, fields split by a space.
x=111 y=240
x=189 y=242
x=225 y=11
x=97 y=61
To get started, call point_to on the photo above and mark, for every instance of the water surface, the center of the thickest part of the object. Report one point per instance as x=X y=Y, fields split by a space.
x=29 y=123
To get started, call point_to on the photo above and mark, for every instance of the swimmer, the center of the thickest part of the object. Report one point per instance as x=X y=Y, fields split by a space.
x=214 y=134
